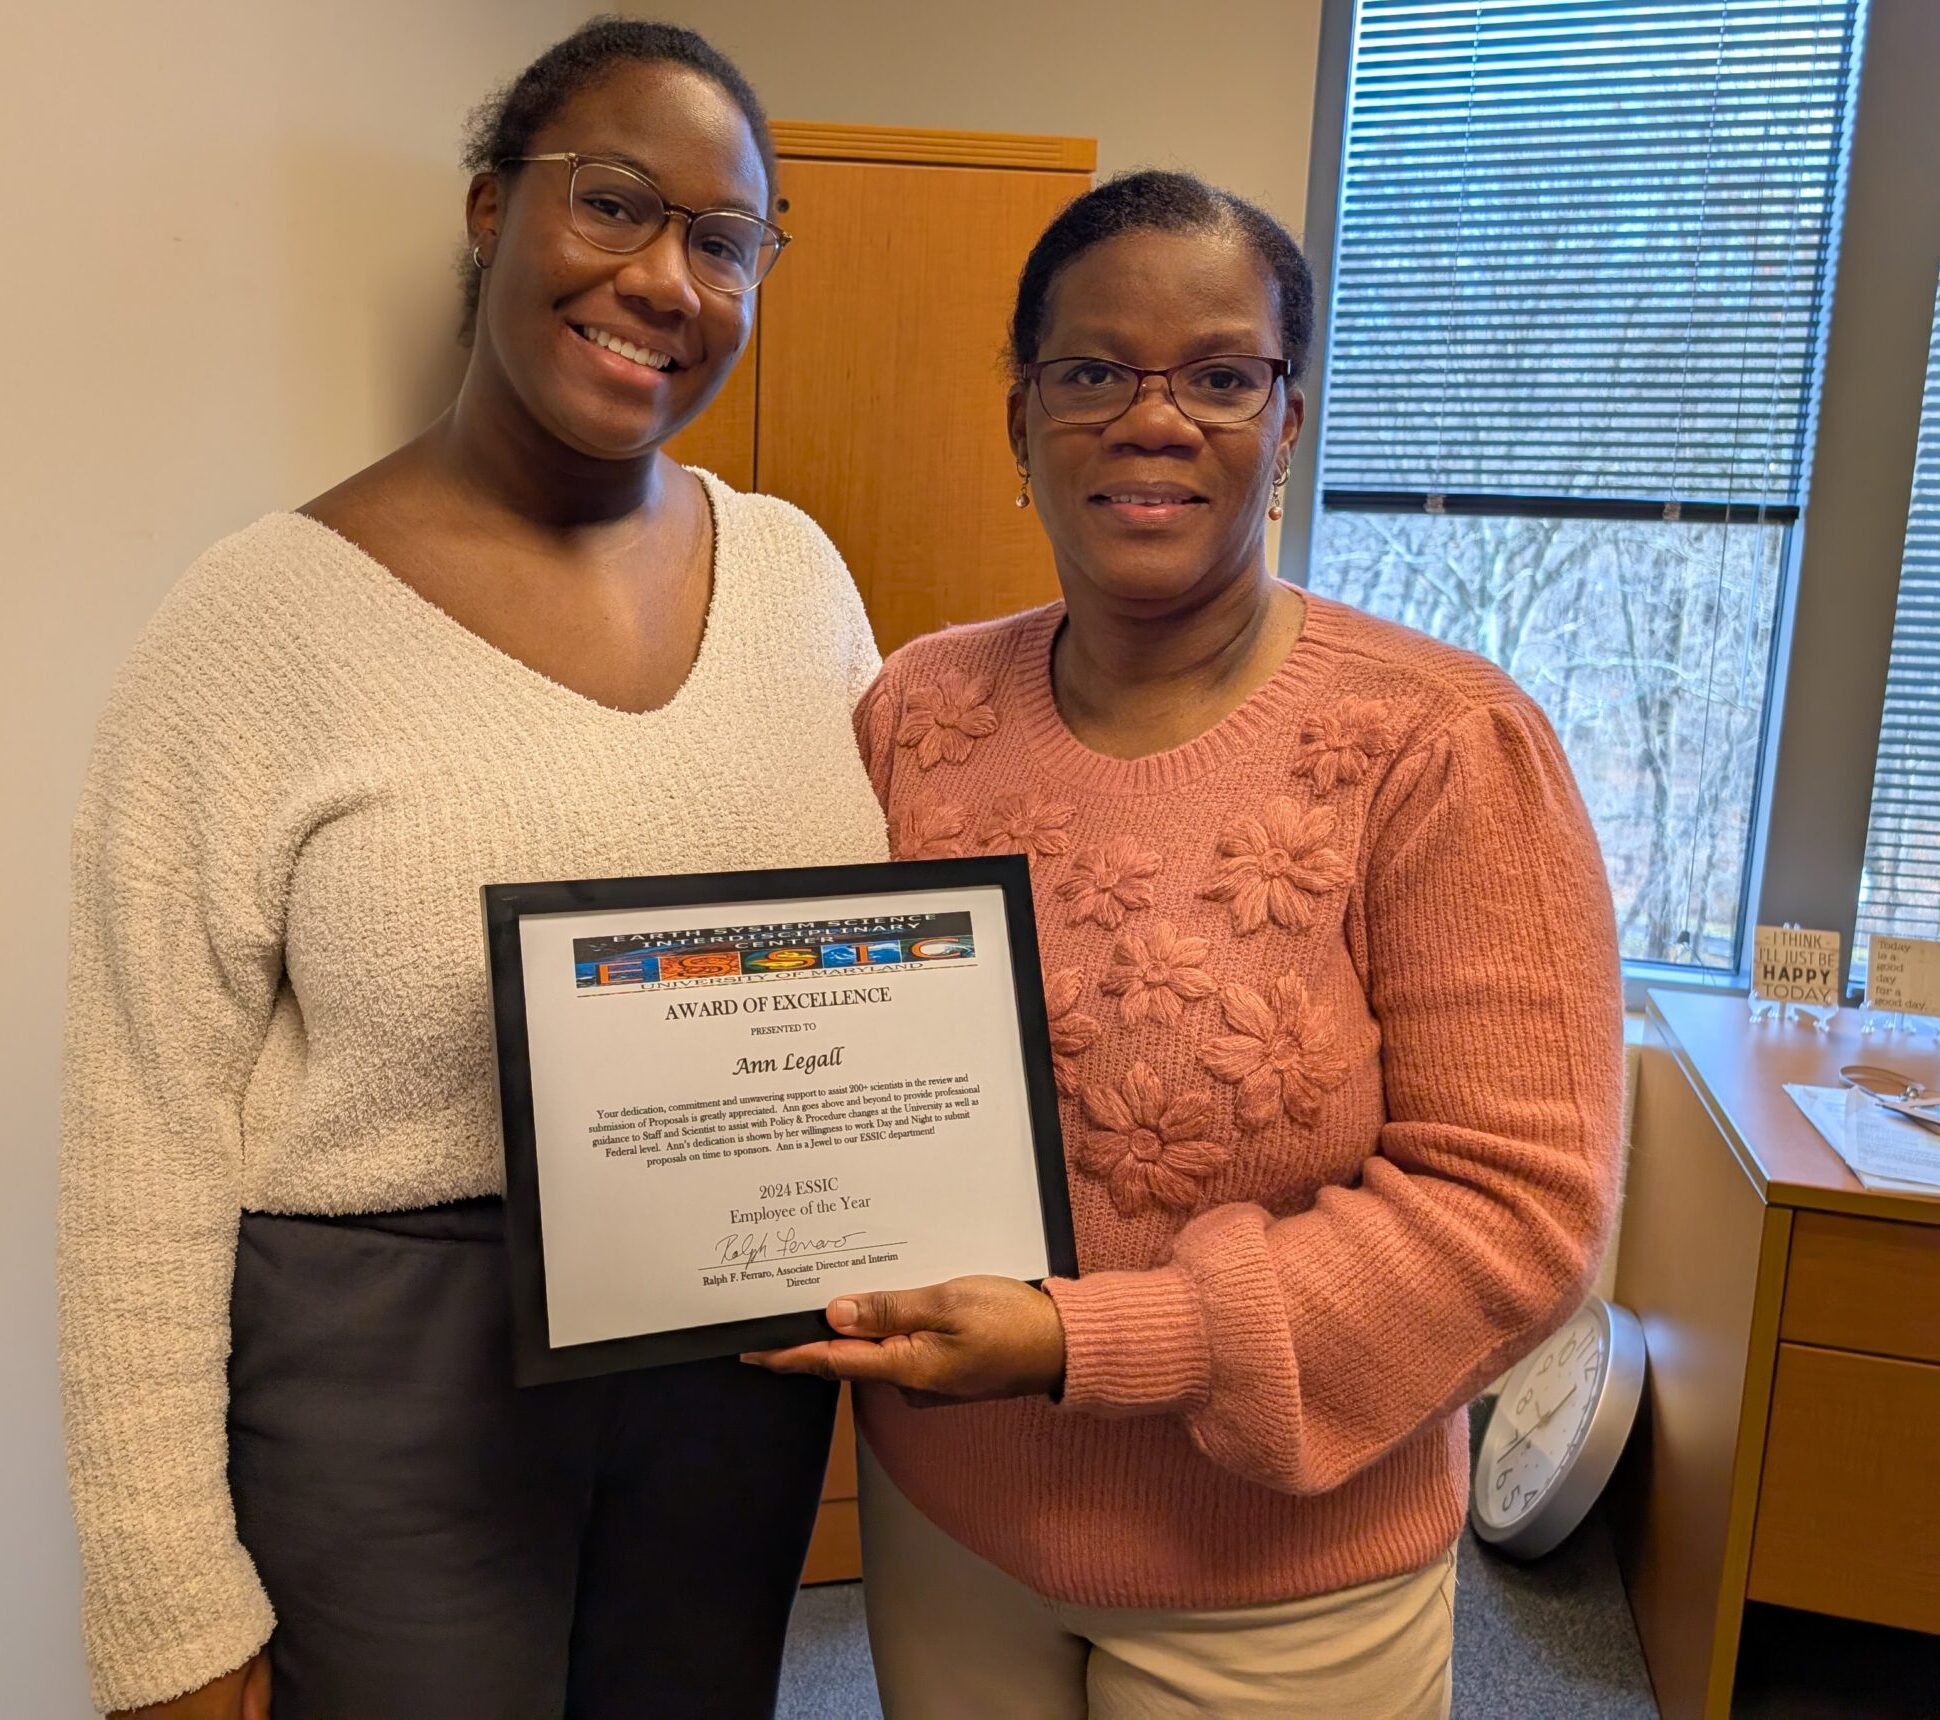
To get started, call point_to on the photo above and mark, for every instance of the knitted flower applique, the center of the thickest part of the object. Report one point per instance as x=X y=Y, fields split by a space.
x=1337 y=746
x=1283 y=1055
x=928 y=829
x=1274 y=866
x=1028 y=823
x=1148 y=1147
x=945 y=718
x=1155 y=974
x=1072 y=1031
x=1109 y=881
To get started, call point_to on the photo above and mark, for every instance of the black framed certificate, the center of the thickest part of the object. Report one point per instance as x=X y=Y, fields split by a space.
x=728 y=1098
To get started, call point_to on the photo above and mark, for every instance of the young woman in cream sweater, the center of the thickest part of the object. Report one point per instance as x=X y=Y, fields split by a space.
x=525 y=645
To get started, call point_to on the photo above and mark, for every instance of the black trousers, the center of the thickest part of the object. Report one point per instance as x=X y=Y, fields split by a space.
x=440 y=1545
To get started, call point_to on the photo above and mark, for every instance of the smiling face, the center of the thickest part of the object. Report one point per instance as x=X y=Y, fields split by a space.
x=1153 y=509
x=555 y=309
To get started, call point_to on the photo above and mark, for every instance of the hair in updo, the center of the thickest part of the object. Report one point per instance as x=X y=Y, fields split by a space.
x=505 y=124
x=1152 y=201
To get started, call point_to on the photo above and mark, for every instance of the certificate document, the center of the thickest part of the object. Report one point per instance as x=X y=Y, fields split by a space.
x=727 y=1099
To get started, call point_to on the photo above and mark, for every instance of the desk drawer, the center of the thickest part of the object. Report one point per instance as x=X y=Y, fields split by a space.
x=1864 y=1284
x=1849 y=1501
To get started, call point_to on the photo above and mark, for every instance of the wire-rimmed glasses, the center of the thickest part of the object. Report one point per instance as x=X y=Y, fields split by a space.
x=616 y=208
x=1228 y=388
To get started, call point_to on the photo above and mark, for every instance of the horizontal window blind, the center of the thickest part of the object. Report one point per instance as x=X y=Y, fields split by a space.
x=1900 y=890
x=1582 y=255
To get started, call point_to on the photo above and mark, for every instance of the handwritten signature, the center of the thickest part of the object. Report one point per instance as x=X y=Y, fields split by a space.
x=746 y=1246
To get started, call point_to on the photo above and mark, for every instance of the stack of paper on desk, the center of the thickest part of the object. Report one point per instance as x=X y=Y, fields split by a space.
x=1884 y=1151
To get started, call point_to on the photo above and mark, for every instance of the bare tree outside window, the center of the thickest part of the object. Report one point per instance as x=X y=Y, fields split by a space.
x=1581 y=276
x=1649 y=647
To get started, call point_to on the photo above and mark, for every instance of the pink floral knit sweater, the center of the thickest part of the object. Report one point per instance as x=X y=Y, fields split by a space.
x=1337 y=1020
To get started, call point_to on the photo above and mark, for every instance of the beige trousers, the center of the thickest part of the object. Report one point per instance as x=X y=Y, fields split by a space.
x=954 y=1638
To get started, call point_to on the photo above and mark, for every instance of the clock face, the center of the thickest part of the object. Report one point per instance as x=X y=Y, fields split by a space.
x=1540 y=1420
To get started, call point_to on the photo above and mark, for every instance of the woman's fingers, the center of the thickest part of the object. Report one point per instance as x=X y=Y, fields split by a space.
x=255 y=1702
x=861 y=1317
x=239 y=1695
x=969 y=1338
x=843 y=1359
x=881 y=1313
x=800 y=1359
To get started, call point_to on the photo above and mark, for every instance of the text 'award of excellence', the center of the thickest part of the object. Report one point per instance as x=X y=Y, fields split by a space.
x=728 y=1098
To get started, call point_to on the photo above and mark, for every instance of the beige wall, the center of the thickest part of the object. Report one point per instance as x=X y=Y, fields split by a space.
x=230 y=227
x=1225 y=90
x=1224 y=87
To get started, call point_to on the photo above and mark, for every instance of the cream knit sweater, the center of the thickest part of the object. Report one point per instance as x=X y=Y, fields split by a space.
x=278 y=999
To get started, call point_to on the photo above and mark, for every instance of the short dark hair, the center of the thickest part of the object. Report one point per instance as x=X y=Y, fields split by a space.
x=504 y=125
x=1152 y=201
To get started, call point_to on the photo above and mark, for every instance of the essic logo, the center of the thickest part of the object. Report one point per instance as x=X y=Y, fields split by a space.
x=703 y=964
x=781 y=961
x=939 y=949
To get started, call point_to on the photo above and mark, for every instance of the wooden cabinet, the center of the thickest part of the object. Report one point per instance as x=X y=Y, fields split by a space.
x=872 y=397
x=1849 y=1497
x=1789 y=1449
x=835 y=1554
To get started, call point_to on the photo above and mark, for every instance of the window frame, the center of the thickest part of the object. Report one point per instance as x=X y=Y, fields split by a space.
x=1814 y=792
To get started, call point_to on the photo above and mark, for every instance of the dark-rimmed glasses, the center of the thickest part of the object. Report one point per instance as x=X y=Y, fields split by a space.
x=1229 y=388
x=617 y=209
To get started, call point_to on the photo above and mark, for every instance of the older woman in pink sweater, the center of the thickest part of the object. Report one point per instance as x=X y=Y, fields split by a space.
x=1336 y=1013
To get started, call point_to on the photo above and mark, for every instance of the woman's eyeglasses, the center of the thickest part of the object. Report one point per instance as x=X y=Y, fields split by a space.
x=1229 y=389
x=617 y=209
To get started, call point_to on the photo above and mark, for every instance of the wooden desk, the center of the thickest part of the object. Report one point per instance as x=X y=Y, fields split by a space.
x=1789 y=1446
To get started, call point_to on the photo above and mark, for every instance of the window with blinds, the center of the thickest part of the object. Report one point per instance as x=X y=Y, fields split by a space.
x=1583 y=259
x=1899 y=892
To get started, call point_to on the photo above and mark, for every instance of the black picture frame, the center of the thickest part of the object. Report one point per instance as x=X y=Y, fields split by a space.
x=535 y=1360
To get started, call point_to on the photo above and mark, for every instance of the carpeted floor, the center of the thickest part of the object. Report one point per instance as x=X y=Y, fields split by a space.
x=1551 y=1641
x=1546 y=1642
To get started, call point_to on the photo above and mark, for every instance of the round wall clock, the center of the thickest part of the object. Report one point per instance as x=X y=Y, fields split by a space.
x=1557 y=1430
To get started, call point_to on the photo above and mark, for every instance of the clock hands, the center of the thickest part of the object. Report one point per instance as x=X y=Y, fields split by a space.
x=1540 y=1425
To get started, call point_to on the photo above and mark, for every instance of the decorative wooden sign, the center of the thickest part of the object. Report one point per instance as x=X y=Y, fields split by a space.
x=1791 y=965
x=1903 y=974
